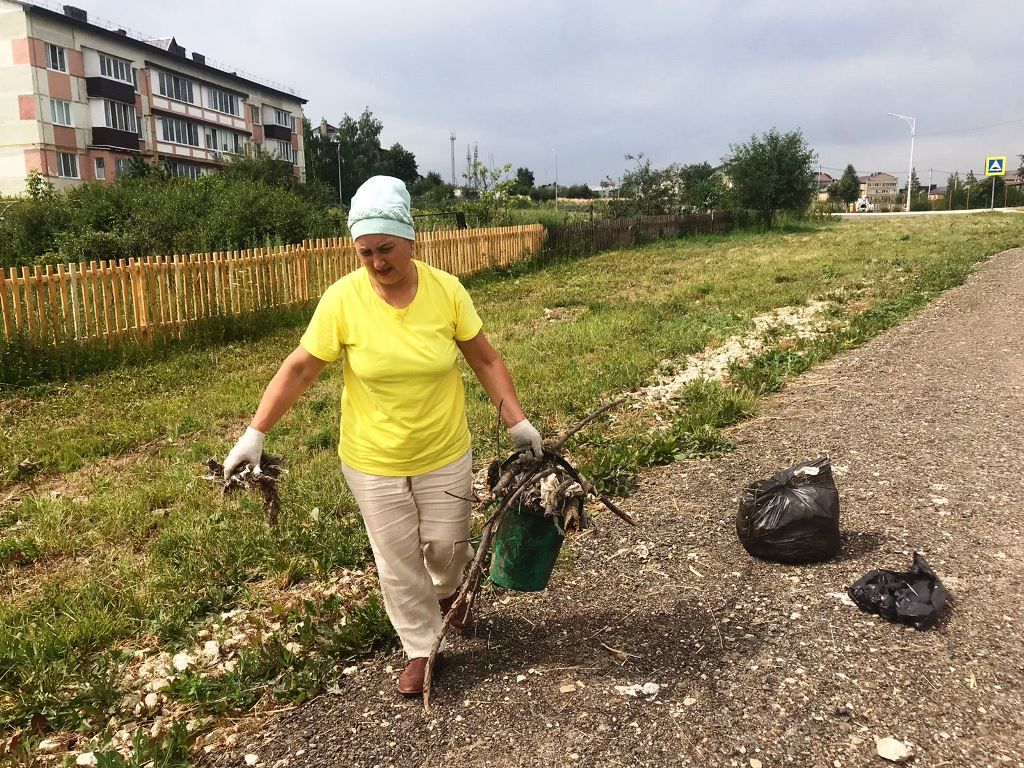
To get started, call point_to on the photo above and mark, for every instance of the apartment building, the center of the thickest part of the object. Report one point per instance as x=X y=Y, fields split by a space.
x=879 y=188
x=80 y=98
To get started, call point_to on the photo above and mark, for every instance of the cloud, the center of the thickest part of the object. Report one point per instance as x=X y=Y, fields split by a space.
x=598 y=79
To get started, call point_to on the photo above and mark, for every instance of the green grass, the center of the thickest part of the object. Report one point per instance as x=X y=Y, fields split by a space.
x=119 y=544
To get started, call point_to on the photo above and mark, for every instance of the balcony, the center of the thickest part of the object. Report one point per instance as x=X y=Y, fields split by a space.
x=105 y=88
x=111 y=137
x=279 y=132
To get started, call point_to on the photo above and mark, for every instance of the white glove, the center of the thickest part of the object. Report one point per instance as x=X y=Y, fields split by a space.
x=525 y=436
x=248 y=450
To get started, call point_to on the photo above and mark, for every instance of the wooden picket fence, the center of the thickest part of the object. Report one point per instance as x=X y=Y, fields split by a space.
x=161 y=295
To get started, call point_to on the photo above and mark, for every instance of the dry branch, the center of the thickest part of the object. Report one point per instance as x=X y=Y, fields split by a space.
x=550 y=486
x=262 y=478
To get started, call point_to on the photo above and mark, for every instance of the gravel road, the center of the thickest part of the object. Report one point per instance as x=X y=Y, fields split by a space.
x=757 y=664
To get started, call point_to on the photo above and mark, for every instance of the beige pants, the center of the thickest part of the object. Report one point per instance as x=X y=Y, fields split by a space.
x=419 y=530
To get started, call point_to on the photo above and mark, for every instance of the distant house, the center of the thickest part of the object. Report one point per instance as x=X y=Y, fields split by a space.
x=879 y=188
x=937 y=193
x=822 y=182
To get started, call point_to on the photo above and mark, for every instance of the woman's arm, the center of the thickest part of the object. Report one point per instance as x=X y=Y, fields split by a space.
x=494 y=377
x=298 y=371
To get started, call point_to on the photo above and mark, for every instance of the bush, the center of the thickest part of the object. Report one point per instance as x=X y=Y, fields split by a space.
x=255 y=202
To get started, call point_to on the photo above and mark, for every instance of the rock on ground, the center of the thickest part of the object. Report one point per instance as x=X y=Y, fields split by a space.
x=756 y=663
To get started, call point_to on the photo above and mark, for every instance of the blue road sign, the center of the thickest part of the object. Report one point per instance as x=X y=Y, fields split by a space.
x=995 y=165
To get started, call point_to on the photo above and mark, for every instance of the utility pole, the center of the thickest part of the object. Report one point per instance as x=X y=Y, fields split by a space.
x=913 y=130
x=929 y=186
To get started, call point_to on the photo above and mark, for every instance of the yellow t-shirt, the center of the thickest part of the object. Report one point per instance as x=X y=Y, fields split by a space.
x=403 y=407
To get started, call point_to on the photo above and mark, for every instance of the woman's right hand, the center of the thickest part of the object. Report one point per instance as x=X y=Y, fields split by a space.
x=248 y=450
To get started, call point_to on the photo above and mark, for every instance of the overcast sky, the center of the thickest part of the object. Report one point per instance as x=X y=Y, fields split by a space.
x=595 y=80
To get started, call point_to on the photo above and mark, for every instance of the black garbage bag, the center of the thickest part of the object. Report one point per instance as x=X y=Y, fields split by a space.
x=793 y=516
x=915 y=597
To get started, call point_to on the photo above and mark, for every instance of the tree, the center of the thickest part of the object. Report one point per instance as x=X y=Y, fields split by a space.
x=491 y=190
x=648 y=191
x=431 y=190
x=483 y=180
x=848 y=186
x=261 y=167
x=772 y=173
x=400 y=163
x=525 y=181
x=703 y=187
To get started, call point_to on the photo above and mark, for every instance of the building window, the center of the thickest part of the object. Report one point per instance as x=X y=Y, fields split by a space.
x=101 y=168
x=176 y=87
x=121 y=165
x=285 y=151
x=222 y=140
x=120 y=116
x=292 y=119
x=67 y=165
x=179 y=131
x=184 y=170
x=61 y=111
x=116 y=69
x=255 y=114
x=222 y=101
x=56 y=58
x=282 y=118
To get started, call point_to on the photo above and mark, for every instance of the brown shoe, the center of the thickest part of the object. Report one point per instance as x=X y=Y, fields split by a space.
x=463 y=620
x=410 y=682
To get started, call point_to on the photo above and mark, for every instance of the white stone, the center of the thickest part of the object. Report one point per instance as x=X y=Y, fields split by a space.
x=349 y=671
x=49 y=745
x=182 y=661
x=152 y=700
x=211 y=649
x=251 y=759
x=893 y=750
x=520 y=678
x=86 y=758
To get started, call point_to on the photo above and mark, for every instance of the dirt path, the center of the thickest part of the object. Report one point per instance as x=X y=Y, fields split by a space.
x=757 y=663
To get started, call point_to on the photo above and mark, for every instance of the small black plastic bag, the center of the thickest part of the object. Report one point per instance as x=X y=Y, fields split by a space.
x=913 y=597
x=793 y=516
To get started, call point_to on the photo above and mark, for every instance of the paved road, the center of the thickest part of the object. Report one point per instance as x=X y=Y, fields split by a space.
x=895 y=214
x=757 y=663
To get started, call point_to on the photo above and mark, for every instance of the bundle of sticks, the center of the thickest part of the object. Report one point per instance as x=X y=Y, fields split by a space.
x=550 y=485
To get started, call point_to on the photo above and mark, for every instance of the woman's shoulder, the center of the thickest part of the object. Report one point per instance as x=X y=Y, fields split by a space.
x=446 y=280
x=347 y=284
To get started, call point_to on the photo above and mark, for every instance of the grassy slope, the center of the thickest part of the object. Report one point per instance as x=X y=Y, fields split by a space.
x=138 y=546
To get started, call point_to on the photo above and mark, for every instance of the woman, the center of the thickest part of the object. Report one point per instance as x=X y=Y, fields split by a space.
x=405 y=443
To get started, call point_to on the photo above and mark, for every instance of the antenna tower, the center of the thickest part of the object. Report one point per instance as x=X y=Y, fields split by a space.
x=451 y=138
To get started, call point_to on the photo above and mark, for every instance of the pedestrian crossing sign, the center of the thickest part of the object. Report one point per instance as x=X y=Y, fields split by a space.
x=995 y=165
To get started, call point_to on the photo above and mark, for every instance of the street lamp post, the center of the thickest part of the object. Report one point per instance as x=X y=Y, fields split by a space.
x=913 y=130
x=340 y=201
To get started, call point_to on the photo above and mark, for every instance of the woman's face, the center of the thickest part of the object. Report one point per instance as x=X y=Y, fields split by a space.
x=387 y=258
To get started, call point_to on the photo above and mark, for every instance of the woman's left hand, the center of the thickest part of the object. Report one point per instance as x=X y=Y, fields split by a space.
x=525 y=437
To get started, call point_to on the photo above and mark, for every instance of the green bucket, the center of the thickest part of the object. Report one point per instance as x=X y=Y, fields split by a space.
x=525 y=549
